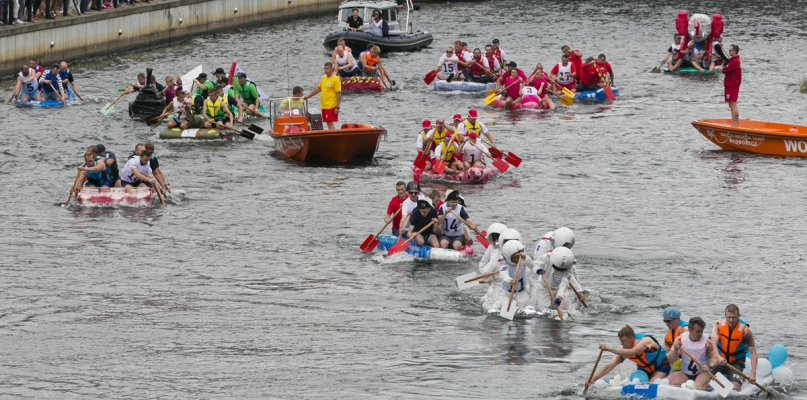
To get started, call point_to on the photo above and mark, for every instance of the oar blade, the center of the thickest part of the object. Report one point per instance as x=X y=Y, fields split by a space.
x=566 y=100
x=500 y=165
x=492 y=91
x=609 y=94
x=462 y=284
x=255 y=128
x=484 y=242
x=513 y=159
x=365 y=245
x=726 y=387
x=440 y=167
x=420 y=160
x=398 y=247
x=491 y=98
x=509 y=311
x=247 y=134
x=107 y=109
x=496 y=153
x=429 y=78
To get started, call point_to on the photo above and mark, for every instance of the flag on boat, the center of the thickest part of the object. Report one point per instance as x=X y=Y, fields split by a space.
x=235 y=70
x=188 y=78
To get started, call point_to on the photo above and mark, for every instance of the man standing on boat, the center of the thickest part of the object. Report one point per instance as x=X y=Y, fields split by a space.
x=331 y=87
x=733 y=339
x=355 y=23
x=734 y=77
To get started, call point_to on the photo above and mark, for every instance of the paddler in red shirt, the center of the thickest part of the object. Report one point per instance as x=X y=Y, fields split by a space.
x=732 y=81
x=603 y=65
x=575 y=57
x=589 y=76
x=395 y=205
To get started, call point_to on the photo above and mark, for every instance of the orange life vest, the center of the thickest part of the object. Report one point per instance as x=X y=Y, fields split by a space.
x=648 y=360
x=730 y=341
x=672 y=335
x=370 y=61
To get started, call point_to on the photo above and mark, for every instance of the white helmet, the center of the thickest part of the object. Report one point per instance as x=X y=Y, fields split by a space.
x=563 y=237
x=561 y=258
x=508 y=234
x=496 y=227
x=510 y=248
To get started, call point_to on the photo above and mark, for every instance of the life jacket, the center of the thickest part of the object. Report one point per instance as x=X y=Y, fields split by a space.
x=370 y=61
x=246 y=94
x=96 y=177
x=491 y=61
x=112 y=170
x=54 y=81
x=476 y=68
x=438 y=136
x=65 y=75
x=448 y=150
x=649 y=360
x=423 y=138
x=730 y=341
x=498 y=54
x=472 y=128
x=672 y=335
x=214 y=109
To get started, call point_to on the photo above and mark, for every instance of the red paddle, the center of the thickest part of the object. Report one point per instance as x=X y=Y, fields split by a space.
x=609 y=94
x=423 y=156
x=372 y=240
x=480 y=236
x=401 y=246
x=499 y=164
x=429 y=78
x=513 y=159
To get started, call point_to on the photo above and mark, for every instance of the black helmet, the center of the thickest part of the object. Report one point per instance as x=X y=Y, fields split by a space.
x=412 y=186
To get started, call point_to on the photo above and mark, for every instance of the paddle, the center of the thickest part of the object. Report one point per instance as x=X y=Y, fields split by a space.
x=749 y=380
x=61 y=99
x=372 y=240
x=243 y=133
x=252 y=127
x=423 y=156
x=549 y=289
x=108 y=107
x=429 y=78
x=593 y=370
x=499 y=164
x=609 y=94
x=72 y=190
x=568 y=96
x=576 y=293
x=506 y=313
x=719 y=383
x=11 y=99
x=157 y=120
x=491 y=98
x=658 y=69
x=401 y=246
x=72 y=86
x=159 y=191
x=470 y=280
x=440 y=166
x=480 y=236
x=511 y=158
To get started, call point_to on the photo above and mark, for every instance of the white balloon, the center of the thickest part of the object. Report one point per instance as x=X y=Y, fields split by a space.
x=617 y=381
x=747 y=369
x=690 y=384
x=763 y=368
x=782 y=374
x=665 y=382
x=657 y=381
x=600 y=384
x=635 y=381
x=626 y=381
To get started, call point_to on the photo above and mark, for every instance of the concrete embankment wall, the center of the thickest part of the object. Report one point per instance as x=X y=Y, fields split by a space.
x=127 y=28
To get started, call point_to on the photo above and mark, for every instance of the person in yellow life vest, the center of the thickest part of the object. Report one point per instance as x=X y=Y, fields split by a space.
x=675 y=327
x=216 y=111
x=429 y=138
x=734 y=342
x=472 y=125
x=447 y=151
x=371 y=65
x=641 y=348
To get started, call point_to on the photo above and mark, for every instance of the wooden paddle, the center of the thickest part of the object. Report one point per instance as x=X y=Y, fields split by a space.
x=549 y=289
x=72 y=190
x=480 y=236
x=499 y=164
x=658 y=69
x=511 y=158
x=749 y=380
x=72 y=86
x=576 y=293
x=372 y=240
x=159 y=191
x=463 y=282
x=108 y=107
x=512 y=290
x=243 y=133
x=158 y=119
x=401 y=246
x=724 y=385
x=11 y=99
x=491 y=98
x=593 y=370
x=252 y=127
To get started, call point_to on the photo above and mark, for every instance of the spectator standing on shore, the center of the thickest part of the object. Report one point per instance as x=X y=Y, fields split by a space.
x=732 y=81
x=331 y=87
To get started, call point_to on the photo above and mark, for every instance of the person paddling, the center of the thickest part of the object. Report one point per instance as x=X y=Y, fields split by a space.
x=733 y=341
x=217 y=111
x=642 y=349
x=421 y=219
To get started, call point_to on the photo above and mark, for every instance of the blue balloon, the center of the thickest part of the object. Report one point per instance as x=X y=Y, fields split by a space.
x=777 y=356
x=643 y=378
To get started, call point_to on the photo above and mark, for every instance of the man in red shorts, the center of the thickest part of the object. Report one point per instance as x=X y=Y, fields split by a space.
x=734 y=76
x=331 y=87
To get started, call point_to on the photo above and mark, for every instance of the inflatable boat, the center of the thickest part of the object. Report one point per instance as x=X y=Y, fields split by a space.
x=594 y=95
x=93 y=197
x=426 y=252
x=661 y=391
x=472 y=175
x=690 y=70
x=200 y=134
x=400 y=37
x=358 y=83
x=461 y=86
x=71 y=99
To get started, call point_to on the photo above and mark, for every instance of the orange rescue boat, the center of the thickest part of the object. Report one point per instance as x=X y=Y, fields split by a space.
x=761 y=137
x=299 y=134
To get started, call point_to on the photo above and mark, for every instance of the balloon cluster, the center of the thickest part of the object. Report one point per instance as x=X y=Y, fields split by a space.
x=773 y=365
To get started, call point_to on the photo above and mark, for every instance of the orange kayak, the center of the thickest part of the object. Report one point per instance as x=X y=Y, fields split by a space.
x=761 y=137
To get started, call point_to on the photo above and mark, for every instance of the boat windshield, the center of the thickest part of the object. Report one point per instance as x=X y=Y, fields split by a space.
x=290 y=106
x=345 y=13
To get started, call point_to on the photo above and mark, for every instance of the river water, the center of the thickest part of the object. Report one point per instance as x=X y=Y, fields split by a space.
x=249 y=282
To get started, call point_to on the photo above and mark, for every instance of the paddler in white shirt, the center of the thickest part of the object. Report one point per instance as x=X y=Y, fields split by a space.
x=409 y=205
x=697 y=345
x=512 y=253
x=473 y=152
